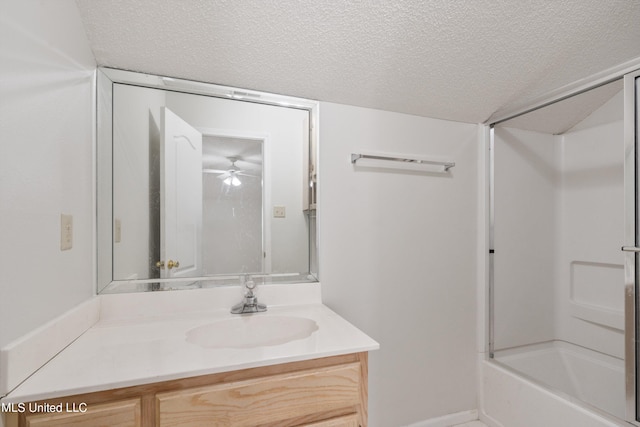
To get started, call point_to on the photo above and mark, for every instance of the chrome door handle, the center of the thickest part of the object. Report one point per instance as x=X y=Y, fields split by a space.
x=630 y=249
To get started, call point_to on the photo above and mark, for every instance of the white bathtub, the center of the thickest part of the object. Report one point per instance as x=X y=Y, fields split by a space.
x=595 y=378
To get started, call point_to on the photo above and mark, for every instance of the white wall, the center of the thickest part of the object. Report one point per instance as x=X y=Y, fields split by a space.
x=590 y=285
x=559 y=204
x=526 y=226
x=46 y=126
x=136 y=158
x=397 y=258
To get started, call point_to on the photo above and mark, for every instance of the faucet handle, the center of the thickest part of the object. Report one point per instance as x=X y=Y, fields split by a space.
x=250 y=302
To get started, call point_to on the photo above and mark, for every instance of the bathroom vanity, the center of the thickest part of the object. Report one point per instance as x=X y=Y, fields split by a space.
x=227 y=186
x=329 y=391
x=294 y=365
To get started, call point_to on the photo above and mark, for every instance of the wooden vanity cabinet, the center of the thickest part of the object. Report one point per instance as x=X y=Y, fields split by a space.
x=326 y=392
x=114 y=414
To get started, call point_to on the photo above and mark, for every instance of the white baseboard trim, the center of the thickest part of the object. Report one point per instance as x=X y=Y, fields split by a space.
x=448 y=420
x=489 y=421
x=22 y=357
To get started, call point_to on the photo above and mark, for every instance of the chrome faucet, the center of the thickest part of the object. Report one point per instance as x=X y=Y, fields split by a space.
x=250 y=302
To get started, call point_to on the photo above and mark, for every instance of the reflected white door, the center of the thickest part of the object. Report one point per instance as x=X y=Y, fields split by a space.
x=181 y=197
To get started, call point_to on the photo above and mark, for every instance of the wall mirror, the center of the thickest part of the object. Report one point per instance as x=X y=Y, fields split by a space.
x=199 y=185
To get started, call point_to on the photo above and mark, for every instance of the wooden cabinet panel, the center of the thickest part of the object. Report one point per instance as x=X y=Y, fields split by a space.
x=345 y=421
x=324 y=392
x=115 y=414
x=263 y=400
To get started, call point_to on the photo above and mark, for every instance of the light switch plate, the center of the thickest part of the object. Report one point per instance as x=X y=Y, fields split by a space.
x=66 y=232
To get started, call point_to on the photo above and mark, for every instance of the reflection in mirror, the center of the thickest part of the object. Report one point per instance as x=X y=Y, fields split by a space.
x=233 y=206
x=196 y=189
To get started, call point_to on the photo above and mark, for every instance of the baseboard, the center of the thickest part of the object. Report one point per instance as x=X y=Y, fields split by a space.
x=448 y=420
x=488 y=420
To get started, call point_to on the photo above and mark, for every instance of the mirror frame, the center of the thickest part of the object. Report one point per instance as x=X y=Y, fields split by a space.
x=106 y=78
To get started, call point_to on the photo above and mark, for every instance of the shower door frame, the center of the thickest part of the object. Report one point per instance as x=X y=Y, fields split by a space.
x=631 y=244
x=629 y=72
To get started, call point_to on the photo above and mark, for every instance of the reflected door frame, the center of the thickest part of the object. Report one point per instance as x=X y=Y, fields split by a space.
x=265 y=139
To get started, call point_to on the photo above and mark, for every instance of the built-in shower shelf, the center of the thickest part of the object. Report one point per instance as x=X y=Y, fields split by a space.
x=611 y=318
x=593 y=297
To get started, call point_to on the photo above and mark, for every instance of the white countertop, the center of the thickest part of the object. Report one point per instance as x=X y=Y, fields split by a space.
x=118 y=353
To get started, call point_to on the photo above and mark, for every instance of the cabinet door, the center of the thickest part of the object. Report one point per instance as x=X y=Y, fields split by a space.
x=265 y=400
x=124 y=413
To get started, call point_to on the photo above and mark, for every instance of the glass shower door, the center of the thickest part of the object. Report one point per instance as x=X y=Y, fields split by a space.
x=558 y=221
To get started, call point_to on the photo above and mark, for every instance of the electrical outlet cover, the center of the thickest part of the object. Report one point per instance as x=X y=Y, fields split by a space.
x=279 y=212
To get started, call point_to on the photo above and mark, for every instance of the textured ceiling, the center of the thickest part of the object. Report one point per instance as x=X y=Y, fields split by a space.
x=456 y=60
x=561 y=116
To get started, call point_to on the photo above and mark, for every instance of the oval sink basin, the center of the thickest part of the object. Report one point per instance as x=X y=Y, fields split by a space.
x=252 y=331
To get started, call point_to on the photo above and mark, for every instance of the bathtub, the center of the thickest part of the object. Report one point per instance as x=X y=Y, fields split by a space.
x=593 y=377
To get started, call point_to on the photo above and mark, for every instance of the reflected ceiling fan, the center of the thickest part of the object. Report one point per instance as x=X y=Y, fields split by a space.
x=229 y=176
